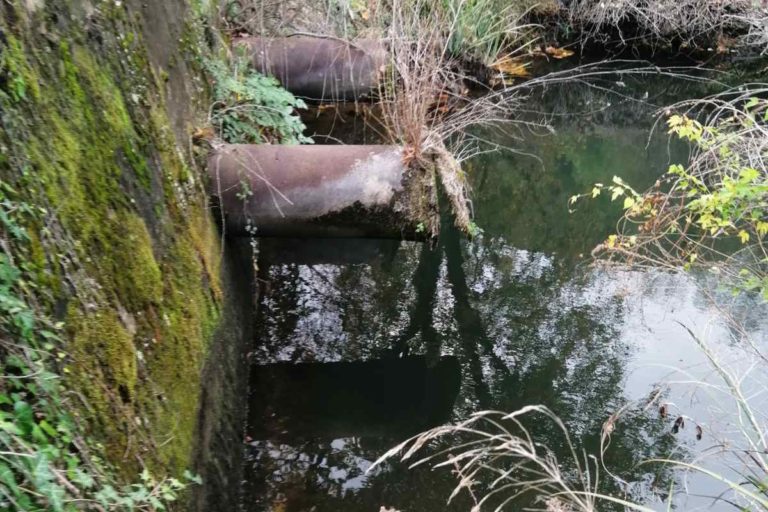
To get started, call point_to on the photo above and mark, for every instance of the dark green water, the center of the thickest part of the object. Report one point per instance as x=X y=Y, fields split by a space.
x=364 y=343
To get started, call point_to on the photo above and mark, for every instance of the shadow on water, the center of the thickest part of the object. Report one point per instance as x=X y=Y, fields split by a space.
x=331 y=400
x=361 y=344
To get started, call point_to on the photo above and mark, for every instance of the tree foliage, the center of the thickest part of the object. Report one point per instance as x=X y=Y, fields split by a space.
x=711 y=214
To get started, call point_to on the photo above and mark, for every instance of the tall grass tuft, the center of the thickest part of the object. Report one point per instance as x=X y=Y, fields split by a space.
x=497 y=461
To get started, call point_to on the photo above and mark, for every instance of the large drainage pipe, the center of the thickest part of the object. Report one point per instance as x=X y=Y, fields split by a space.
x=313 y=191
x=321 y=69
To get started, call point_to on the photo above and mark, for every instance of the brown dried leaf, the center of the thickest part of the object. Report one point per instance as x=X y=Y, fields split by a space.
x=205 y=133
x=558 y=53
x=515 y=67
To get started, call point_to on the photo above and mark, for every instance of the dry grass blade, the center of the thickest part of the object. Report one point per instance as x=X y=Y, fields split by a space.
x=665 y=21
x=497 y=449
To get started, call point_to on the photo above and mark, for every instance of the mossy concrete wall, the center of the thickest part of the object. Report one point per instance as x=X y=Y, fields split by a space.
x=97 y=101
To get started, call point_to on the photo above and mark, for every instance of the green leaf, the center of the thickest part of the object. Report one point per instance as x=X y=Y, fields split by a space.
x=193 y=477
x=748 y=175
x=24 y=417
x=11 y=428
x=38 y=435
x=48 y=429
x=7 y=477
x=83 y=479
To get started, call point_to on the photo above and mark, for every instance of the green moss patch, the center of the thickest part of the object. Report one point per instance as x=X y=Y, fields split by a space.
x=124 y=250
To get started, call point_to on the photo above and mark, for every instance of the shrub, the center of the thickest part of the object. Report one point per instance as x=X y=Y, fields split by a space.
x=713 y=213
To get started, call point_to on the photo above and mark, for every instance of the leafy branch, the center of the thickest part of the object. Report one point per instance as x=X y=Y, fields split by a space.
x=713 y=212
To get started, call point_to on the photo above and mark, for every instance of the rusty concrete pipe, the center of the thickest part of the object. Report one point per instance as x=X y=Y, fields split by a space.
x=321 y=69
x=313 y=191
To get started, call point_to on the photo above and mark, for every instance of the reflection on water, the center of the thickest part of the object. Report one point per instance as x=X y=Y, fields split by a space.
x=360 y=346
x=395 y=397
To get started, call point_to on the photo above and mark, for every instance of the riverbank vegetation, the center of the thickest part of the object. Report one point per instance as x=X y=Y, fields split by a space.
x=109 y=273
x=109 y=288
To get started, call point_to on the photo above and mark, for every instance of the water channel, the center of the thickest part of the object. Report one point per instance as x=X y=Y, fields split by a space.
x=363 y=343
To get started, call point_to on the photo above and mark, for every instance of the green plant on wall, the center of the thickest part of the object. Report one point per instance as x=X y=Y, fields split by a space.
x=250 y=108
x=44 y=460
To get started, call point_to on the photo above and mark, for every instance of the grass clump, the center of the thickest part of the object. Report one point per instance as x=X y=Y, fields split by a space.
x=486 y=30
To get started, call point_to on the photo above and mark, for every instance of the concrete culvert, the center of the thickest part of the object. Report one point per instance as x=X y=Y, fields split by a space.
x=318 y=68
x=319 y=191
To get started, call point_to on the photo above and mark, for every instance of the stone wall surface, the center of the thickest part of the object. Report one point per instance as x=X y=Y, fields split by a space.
x=97 y=101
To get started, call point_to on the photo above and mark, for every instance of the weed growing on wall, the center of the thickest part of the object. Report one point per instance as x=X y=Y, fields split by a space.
x=251 y=108
x=45 y=464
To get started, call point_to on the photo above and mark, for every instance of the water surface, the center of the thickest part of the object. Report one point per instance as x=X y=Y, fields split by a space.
x=364 y=343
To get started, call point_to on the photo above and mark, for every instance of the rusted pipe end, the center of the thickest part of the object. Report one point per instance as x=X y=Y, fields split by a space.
x=314 y=191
